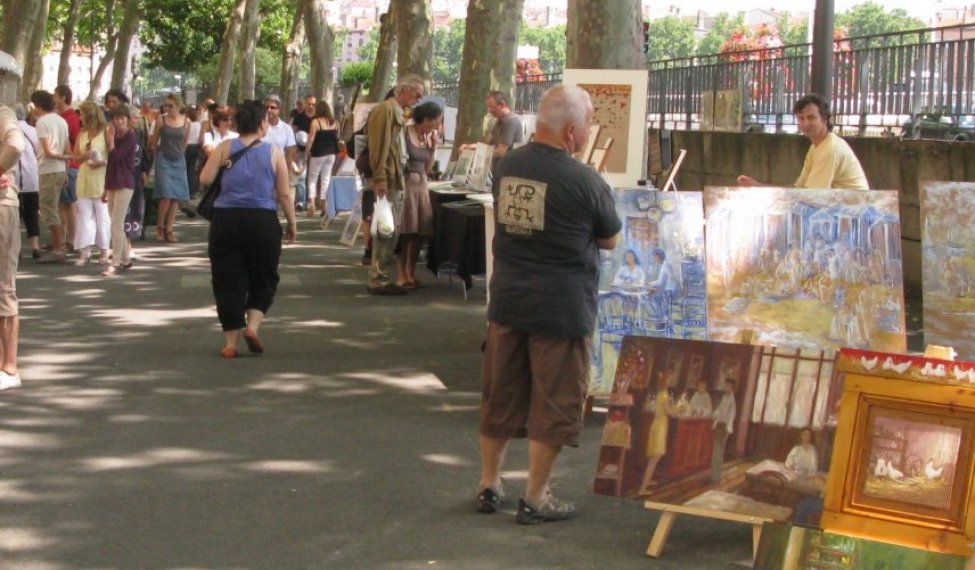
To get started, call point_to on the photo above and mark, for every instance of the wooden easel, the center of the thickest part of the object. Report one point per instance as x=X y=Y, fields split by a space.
x=668 y=512
x=672 y=173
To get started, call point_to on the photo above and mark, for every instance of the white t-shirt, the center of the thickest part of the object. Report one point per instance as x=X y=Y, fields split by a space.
x=214 y=138
x=55 y=129
x=194 y=137
x=280 y=135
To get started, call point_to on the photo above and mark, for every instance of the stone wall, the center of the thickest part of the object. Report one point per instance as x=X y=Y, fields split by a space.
x=716 y=159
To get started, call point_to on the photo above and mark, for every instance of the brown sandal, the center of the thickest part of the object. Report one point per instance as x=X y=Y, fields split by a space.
x=171 y=236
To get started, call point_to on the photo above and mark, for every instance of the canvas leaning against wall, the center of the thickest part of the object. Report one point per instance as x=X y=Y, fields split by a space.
x=723 y=427
x=619 y=99
x=652 y=284
x=948 y=265
x=805 y=268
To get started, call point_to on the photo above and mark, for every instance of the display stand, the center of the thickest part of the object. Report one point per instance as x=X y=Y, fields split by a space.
x=672 y=174
x=669 y=512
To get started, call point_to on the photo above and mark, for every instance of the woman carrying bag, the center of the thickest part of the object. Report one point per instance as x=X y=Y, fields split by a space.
x=245 y=233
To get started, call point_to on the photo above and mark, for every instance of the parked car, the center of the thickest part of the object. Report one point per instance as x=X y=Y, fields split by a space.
x=940 y=127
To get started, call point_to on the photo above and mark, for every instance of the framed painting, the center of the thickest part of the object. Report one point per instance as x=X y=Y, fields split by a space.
x=948 y=264
x=352 y=226
x=652 y=284
x=462 y=167
x=619 y=99
x=903 y=470
x=679 y=434
x=805 y=268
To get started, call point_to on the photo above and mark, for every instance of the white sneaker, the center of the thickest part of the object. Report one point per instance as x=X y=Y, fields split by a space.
x=7 y=381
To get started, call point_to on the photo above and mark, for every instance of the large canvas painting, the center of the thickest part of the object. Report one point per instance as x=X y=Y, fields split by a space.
x=652 y=284
x=948 y=264
x=805 y=268
x=724 y=427
x=619 y=99
x=785 y=547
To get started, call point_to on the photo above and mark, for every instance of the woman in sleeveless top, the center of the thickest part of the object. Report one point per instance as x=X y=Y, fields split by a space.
x=168 y=143
x=245 y=233
x=417 y=225
x=320 y=155
x=93 y=226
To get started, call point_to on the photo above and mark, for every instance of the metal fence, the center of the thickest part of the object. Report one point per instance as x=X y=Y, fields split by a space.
x=879 y=81
x=528 y=91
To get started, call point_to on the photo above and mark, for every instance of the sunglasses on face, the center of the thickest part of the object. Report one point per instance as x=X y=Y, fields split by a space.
x=272 y=107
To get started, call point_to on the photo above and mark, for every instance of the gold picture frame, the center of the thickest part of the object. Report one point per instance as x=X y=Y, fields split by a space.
x=902 y=468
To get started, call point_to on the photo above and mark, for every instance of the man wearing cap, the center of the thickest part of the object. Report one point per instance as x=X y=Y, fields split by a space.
x=12 y=145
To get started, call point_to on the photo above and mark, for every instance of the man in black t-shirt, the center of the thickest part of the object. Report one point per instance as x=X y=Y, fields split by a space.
x=552 y=215
x=301 y=123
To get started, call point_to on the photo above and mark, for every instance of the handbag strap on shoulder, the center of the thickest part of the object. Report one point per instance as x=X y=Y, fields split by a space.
x=236 y=156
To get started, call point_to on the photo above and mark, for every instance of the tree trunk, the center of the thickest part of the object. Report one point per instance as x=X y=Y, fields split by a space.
x=414 y=29
x=247 y=60
x=382 y=71
x=291 y=60
x=320 y=40
x=33 y=66
x=18 y=24
x=508 y=48
x=604 y=35
x=68 y=33
x=477 y=68
x=109 y=49
x=225 y=72
x=130 y=24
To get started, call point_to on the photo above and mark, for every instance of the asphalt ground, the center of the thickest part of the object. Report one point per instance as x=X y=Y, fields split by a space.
x=350 y=444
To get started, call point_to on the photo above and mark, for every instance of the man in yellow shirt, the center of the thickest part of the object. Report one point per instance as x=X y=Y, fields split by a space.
x=830 y=162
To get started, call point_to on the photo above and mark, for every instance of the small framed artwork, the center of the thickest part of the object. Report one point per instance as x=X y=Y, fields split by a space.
x=902 y=468
x=463 y=166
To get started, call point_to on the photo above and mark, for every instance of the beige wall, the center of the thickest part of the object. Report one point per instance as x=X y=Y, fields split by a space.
x=715 y=159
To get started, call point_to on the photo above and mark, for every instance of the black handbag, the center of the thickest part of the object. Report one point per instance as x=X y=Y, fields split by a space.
x=205 y=207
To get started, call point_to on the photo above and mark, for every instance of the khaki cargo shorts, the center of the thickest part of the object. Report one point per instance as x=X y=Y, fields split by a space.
x=9 y=256
x=534 y=386
x=51 y=185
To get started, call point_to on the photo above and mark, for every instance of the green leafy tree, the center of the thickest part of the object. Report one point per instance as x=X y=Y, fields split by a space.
x=182 y=35
x=871 y=18
x=448 y=47
x=356 y=73
x=367 y=51
x=792 y=32
x=724 y=25
x=670 y=38
x=550 y=43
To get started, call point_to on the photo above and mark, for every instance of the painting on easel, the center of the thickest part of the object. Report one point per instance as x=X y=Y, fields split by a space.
x=732 y=428
x=948 y=264
x=652 y=284
x=805 y=268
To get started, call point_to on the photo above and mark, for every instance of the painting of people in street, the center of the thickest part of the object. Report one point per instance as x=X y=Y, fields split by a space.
x=727 y=427
x=948 y=264
x=652 y=284
x=805 y=268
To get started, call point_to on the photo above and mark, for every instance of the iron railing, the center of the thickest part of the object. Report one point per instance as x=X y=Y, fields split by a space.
x=879 y=80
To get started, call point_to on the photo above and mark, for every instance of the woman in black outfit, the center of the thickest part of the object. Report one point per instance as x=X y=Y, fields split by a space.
x=245 y=233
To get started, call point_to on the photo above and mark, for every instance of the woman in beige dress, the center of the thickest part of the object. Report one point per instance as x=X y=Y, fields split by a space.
x=421 y=145
x=657 y=439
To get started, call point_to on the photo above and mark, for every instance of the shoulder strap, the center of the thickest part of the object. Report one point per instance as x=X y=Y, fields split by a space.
x=235 y=156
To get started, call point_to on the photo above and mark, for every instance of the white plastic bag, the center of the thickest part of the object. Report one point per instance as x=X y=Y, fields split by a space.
x=383 y=225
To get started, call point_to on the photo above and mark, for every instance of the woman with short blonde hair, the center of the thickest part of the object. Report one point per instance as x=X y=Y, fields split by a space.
x=91 y=151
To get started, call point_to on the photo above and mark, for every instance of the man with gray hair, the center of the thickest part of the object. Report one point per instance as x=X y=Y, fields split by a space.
x=12 y=145
x=386 y=152
x=553 y=215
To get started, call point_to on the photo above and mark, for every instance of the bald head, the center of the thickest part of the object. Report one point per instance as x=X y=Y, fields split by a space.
x=563 y=105
x=564 y=118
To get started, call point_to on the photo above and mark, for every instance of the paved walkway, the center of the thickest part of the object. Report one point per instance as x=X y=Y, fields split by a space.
x=350 y=444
